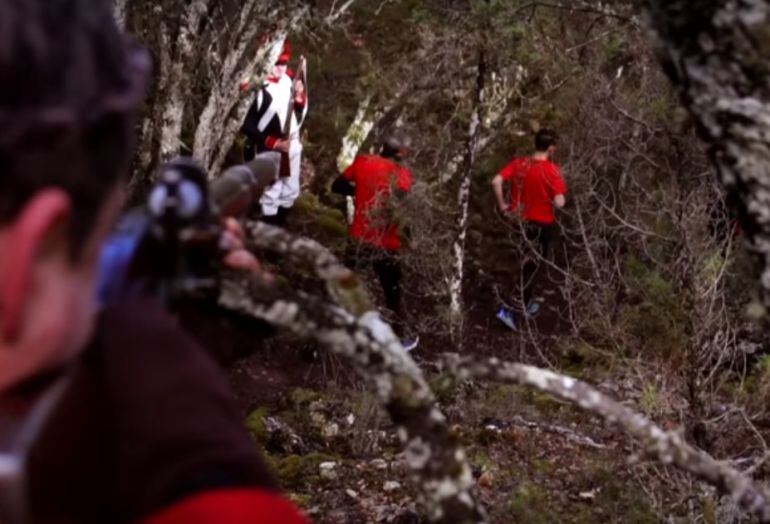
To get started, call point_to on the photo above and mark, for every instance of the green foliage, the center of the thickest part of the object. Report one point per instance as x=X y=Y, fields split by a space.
x=330 y=222
x=420 y=14
x=711 y=267
x=479 y=459
x=445 y=388
x=710 y=511
x=255 y=423
x=301 y=397
x=660 y=108
x=655 y=316
x=529 y=503
x=298 y=471
x=651 y=401
x=615 y=48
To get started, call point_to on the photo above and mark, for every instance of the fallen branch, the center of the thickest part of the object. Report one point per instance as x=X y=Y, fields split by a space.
x=669 y=447
x=352 y=329
x=567 y=433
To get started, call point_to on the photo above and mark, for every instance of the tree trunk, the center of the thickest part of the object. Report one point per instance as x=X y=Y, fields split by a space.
x=175 y=94
x=120 y=8
x=716 y=52
x=463 y=200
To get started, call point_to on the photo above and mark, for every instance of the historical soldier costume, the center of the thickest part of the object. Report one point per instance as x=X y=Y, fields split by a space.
x=280 y=97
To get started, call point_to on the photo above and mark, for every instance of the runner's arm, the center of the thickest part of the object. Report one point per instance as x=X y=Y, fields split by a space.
x=343 y=186
x=497 y=186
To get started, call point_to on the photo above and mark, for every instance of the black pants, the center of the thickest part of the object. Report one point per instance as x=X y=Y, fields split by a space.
x=387 y=267
x=279 y=219
x=249 y=150
x=541 y=236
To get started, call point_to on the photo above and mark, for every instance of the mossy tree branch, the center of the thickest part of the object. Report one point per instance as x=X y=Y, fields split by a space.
x=349 y=326
x=668 y=447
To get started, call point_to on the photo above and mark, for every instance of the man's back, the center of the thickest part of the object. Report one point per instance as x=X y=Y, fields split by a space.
x=534 y=184
x=375 y=177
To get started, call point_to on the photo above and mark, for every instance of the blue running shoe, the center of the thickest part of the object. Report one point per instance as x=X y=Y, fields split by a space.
x=507 y=317
x=533 y=308
x=410 y=344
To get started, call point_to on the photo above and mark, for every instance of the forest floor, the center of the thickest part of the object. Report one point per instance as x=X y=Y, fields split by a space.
x=536 y=459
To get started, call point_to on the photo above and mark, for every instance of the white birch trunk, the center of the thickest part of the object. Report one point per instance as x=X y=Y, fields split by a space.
x=463 y=200
x=357 y=133
x=147 y=146
x=498 y=118
x=225 y=99
x=333 y=16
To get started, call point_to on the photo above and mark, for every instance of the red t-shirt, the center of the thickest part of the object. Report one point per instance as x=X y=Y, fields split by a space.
x=375 y=177
x=534 y=184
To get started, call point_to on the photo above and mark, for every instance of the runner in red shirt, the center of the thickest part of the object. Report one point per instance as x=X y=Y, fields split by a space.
x=537 y=187
x=373 y=180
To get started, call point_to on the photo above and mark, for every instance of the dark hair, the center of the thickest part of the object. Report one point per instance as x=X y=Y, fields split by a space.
x=544 y=139
x=395 y=142
x=71 y=85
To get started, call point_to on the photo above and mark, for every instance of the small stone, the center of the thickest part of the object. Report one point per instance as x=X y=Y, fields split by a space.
x=331 y=430
x=588 y=495
x=327 y=470
x=350 y=419
x=391 y=485
x=352 y=494
x=379 y=464
x=318 y=419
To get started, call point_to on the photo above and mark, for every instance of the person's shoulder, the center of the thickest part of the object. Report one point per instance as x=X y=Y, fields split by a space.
x=143 y=326
x=554 y=167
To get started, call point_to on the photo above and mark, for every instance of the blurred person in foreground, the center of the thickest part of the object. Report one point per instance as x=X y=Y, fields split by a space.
x=537 y=190
x=146 y=430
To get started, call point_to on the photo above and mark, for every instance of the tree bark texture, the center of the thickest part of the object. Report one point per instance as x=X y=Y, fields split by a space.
x=175 y=94
x=463 y=201
x=716 y=52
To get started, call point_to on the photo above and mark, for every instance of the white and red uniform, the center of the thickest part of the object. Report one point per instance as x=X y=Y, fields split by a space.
x=264 y=126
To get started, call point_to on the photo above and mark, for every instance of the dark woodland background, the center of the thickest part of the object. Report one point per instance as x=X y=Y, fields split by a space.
x=651 y=295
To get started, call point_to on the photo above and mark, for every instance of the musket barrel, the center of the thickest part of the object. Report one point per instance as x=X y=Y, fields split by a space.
x=241 y=186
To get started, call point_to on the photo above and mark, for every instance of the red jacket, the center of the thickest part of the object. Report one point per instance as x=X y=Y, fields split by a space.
x=375 y=178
